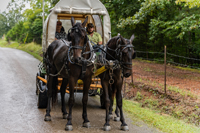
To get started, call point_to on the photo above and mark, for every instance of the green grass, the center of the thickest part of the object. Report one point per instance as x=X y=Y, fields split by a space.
x=180 y=91
x=188 y=69
x=147 y=69
x=3 y=43
x=164 y=123
x=31 y=48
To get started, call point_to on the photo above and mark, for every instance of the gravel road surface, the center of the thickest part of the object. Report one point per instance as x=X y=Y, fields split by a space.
x=18 y=102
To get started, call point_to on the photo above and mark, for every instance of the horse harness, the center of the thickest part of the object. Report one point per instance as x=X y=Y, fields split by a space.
x=84 y=62
x=118 y=63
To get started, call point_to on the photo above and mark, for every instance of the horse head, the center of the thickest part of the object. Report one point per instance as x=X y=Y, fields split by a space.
x=125 y=54
x=78 y=36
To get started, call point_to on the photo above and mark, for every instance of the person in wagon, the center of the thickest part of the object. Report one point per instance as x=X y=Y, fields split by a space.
x=94 y=37
x=60 y=31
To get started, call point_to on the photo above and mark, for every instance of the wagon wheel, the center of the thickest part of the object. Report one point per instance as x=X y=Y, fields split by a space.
x=37 y=81
x=41 y=92
x=92 y=92
x=42 y=99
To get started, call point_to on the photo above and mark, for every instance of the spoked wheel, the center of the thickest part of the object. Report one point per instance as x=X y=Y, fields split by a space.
x=41 y=91
x=92 y=92
x=37 y=84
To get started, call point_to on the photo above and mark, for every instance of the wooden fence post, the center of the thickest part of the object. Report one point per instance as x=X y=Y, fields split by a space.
x=165 y=70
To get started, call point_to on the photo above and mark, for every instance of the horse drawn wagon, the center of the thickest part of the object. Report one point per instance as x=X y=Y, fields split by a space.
x=75 y=66
x=63 y=11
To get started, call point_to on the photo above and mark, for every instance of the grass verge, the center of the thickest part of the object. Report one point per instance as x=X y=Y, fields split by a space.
x=31 y=48
x=164 y=123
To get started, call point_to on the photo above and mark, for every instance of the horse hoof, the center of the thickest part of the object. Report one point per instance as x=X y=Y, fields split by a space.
x=47 y=118
x=124 y=128
x=65 y=116
x=87 y=124
x=68 y=127
x=116 y=118
x=107 y=128
x=110 y=116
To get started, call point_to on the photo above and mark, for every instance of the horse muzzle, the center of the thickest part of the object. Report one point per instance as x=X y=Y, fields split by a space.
x=77 y=59
x=127 y=75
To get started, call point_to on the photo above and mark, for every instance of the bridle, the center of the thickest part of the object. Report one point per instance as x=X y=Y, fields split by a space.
x=83 y=48
x=119 y=54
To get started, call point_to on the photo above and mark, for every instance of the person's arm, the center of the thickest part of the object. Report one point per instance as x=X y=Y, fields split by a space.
x=56 y=36
x=100 y=39
x=100 y=43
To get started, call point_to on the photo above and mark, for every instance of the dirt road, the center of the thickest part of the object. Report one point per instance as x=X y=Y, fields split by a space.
x=18 y=102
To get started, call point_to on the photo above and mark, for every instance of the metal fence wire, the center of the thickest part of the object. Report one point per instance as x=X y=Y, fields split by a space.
x=159 y=57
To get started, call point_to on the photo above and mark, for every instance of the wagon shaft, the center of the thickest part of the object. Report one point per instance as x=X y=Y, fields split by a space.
x=79 y=86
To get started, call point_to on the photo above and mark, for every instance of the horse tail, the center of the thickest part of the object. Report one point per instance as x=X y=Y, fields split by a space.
x=49 y=61
x=54 y=90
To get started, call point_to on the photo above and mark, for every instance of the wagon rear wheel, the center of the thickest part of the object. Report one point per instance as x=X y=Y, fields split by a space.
x=37 y=82
x=41 y=91
x=42 y=99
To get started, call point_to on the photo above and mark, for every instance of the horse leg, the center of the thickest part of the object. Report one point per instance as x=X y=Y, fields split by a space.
x=116 y=118
x=111 y=96
x=72 y=82
x=86 y=122
x=62 y=91
x=124 y=126
x=107 y=104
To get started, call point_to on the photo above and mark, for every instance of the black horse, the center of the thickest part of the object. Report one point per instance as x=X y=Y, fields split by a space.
x=120 y=52
x=70 y=62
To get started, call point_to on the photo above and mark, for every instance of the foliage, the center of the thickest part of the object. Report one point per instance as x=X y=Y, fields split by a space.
x=30 y=27
x=190 y=3
x=16 y=33
x=3 y=25
x=156 y=23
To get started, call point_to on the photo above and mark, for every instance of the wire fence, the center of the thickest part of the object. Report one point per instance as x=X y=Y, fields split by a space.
x=159 y=57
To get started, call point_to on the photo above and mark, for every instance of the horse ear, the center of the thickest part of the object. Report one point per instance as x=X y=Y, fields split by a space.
x=72 y=21
x=84 y=23
x=132 y=38
x=123 y=40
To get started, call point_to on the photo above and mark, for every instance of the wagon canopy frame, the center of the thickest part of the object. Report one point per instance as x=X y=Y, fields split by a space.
x=73 y=8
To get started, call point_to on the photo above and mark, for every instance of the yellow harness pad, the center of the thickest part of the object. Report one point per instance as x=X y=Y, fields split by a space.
x=99 y=71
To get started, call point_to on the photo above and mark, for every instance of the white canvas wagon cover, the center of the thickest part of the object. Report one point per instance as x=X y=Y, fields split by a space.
x=87 y=7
